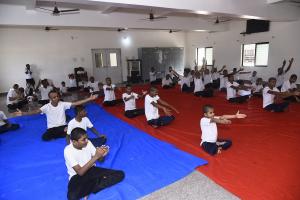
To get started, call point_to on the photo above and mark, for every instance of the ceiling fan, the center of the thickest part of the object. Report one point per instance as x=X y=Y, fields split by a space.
x=153 y=18
x=49 y=28
x=173 y=31
x=57 y=12
x=219 y=20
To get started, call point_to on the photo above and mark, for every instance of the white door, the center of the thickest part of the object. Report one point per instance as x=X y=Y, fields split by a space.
x=107 y=63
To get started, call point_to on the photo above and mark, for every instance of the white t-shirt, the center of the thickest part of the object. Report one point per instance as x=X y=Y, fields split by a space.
x=79 y=157
x=56 y=116
x=84 y=124
x=209 y=130
x=45 y=92
x=279 y=80
x=151 y=112
x=72 y=82
x=252 y=79
x=268 y=98
x=11 y=93
x=207 y=79
x=257 y=88
x=244 y=92
x=231 y=92
x=152 y=76
x=199 y=86
x=166 y=82
x=215 y=76
x=93 y=86
x=223 y=81
x=29 y=74
x=287 y=86
x=109 y=95
x=2 y=117
x=130 y=104
x=185 y=80
x=63 y=89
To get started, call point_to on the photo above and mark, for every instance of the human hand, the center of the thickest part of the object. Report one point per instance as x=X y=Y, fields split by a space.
x=167 y=111
x=93 y=97
x=239 y=115
x=284 y=62
x=144 y=92
x=101 y=152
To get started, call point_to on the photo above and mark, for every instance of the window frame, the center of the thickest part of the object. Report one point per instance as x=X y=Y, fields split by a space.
x=197 y=49
x=258 y=43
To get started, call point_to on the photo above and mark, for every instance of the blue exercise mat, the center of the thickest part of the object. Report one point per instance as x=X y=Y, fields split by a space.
x=33 y=169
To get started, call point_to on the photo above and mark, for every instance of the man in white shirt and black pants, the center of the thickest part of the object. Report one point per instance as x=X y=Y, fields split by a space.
x=152 y=104
x=84 y=177
x=55 y=113
x=28 y=73
x=130 y=106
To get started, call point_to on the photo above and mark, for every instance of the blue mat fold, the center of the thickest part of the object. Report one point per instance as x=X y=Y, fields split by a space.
x=32 y=169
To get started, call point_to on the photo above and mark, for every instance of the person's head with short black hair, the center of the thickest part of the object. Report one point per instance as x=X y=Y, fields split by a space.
x=21 y=90
x=225 y=72
x=254 y=73
x=272 y=82
x=128 y=88
x=108 y=81
x=63 y=84
x=170 y=68
x=168 y=77
x=92 y=79
x=293 y=78
x=27 y=66
x=259 y=81
x=54 y=97
x=153 y=91
x=80 y=111
x=234 y=70
x=230 y=78
x=152 y=69
x=208 y=111
x=79 y=138
x=16 y=87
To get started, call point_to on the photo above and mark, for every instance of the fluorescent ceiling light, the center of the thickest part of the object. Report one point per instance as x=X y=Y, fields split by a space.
x=202 y=12
x=199 y=30
x=250 y=17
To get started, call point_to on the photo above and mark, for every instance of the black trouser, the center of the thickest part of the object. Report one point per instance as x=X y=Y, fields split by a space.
x=9 y=127
x=291 y=98
x=93 y=181
x=98 y=142
x=212 y=148
x=209 y=86
x=18 y=105
x=54 y=133
x=134 y=113
x=167 y=86
x=43 y=102
x=71 y=89
x=223 y=89
x=186 y=88
x=156 y=82
x=257 y=94
x=161 y=121
x=204 y=93
x=240 y=99
x=113 y=102
x=30 y=82
x=277 y=107
x=216 y=83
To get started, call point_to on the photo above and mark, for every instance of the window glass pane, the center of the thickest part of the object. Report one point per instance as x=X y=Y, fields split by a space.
x=249 y=55
x=113 y=59
x=209 y=55
x=262 y=52
x=99 y=60
x=201 y=55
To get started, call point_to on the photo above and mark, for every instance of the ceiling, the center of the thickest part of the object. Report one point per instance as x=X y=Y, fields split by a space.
x=185 y=15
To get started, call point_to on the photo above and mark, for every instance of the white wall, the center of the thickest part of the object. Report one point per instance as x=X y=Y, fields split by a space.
x=284 y=38
x=54 y=54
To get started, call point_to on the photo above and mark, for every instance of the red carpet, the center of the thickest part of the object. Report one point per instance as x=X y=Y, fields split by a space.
x=264 y=161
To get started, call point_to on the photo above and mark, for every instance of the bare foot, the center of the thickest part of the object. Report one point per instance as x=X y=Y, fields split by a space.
x=86 y=197
x=219 y=150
